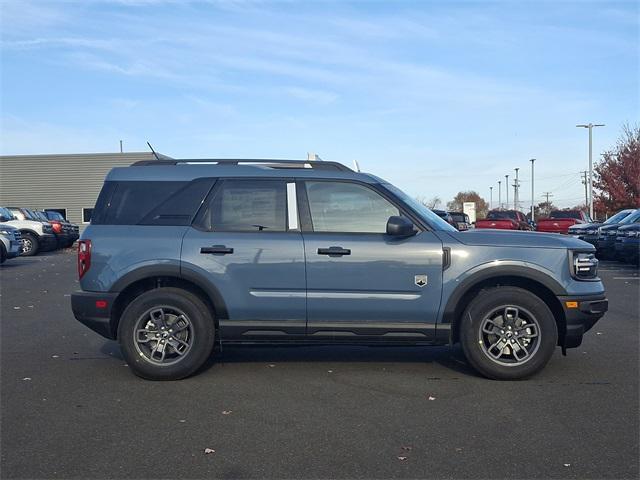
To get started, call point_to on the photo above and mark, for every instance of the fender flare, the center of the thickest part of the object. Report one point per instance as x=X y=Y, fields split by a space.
x=498 y=271
x=174 y=270
x=32 y=232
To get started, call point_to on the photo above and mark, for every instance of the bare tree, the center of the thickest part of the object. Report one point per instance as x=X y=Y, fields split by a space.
x=432 y=203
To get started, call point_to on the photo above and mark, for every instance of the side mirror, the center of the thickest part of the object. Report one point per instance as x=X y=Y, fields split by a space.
x=400 y=227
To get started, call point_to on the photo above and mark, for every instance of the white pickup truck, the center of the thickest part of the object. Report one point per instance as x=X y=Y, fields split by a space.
x=36 y=235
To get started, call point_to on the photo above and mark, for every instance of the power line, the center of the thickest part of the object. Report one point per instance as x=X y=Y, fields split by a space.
x=547 y=194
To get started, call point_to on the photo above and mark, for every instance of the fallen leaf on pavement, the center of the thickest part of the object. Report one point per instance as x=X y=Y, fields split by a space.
x=227 y=412
x=27 y=378
x=431 y=398
x=207 y=451
x=402 y=459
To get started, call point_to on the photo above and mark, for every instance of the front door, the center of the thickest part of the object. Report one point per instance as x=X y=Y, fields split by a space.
x=247 y=244
x=361 y=282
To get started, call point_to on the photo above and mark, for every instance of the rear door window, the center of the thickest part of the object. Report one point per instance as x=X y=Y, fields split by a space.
x=246 y=206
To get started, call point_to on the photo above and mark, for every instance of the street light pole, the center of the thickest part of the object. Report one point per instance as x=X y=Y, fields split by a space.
x=490 y=197
x=533 y=160
x=506 y=184
x=515 y=191
x=590 y=127
x=499 y=194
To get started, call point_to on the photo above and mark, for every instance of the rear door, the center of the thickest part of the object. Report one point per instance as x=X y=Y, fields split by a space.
x=247 y=244
x=363 y=284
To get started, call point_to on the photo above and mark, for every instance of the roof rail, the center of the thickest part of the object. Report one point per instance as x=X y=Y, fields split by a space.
x=317 y=165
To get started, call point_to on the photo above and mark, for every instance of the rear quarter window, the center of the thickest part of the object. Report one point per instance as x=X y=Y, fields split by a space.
x=149 y=203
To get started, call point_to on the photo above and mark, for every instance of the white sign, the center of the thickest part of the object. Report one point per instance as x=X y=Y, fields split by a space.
x=470 y=209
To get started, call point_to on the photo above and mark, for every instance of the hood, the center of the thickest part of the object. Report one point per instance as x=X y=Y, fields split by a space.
x=518 y=238
x=632 y=226
x=6 y=226
x=612 y=226
x=586 y=226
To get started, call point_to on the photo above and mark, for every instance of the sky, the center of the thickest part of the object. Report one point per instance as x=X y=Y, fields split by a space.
x=435 y=96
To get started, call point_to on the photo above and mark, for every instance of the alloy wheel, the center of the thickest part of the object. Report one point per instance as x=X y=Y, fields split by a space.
x=163 y=335
x=509 y=335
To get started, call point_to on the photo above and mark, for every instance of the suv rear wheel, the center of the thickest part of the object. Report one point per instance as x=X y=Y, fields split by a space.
x=508 y=333
x=166 y=334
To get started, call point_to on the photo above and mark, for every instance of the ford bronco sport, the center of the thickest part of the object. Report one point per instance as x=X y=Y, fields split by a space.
x=181 y=254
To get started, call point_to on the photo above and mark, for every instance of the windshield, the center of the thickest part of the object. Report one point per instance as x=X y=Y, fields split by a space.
x=618 y=216
x=459 y=217
x=51 y=215
x=434 y=220
x=4 y=212
x=498 y=215
x=632 y=218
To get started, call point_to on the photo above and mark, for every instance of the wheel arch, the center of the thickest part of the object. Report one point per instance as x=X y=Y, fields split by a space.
x=540 y=284
x=150 y=278
x=28 y=230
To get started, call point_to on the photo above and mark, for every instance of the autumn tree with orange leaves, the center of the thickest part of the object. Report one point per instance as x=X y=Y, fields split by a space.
x=617 y=175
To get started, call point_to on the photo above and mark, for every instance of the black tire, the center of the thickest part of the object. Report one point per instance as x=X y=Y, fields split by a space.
x=201 y=332
x=3 y=254
x=30 y=244
x=476 y=342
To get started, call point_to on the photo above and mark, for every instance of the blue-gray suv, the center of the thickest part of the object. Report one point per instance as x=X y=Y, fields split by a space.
x=184 y=254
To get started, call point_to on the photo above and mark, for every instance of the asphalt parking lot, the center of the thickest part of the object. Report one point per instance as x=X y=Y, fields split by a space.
x=70 y=408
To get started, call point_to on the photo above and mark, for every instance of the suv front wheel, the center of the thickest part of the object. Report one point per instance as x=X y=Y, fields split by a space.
x=166 y=334
x=508 y=333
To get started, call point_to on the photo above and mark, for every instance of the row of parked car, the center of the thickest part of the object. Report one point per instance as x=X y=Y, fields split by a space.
x=617 y=238
x=27 y=232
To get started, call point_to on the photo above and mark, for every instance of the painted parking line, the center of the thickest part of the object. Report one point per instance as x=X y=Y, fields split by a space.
x=626 y=278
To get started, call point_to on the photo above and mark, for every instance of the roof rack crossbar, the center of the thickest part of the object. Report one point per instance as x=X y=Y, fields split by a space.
x=318 y=165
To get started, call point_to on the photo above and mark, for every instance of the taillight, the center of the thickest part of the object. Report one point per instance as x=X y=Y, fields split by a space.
x=57 y=227
x=84 y=257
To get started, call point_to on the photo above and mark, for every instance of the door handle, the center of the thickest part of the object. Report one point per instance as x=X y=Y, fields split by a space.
x=217 y=250
x=334 y=251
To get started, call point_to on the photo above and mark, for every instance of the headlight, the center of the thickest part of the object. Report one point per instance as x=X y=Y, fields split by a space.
x=576 y=231
x=592 y=231
x=612 y=233
x=633 y=233
x=8 y=233
x=584 y=265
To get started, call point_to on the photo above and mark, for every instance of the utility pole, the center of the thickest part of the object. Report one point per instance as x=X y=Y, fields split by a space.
x=515 y=191
x=533 y=160
x=547 y=194
x=586 y=186
x=490 y=197
x=499 y=194
x=120 y=146
x=506 y=184
x=590 y=127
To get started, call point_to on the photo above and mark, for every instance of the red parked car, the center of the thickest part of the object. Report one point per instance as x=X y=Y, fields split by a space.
x=559 y=221
x=504 y=220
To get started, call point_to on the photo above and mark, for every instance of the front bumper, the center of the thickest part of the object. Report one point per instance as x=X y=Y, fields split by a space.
x=581 y=318
x=48 y=241
x=97 y=318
